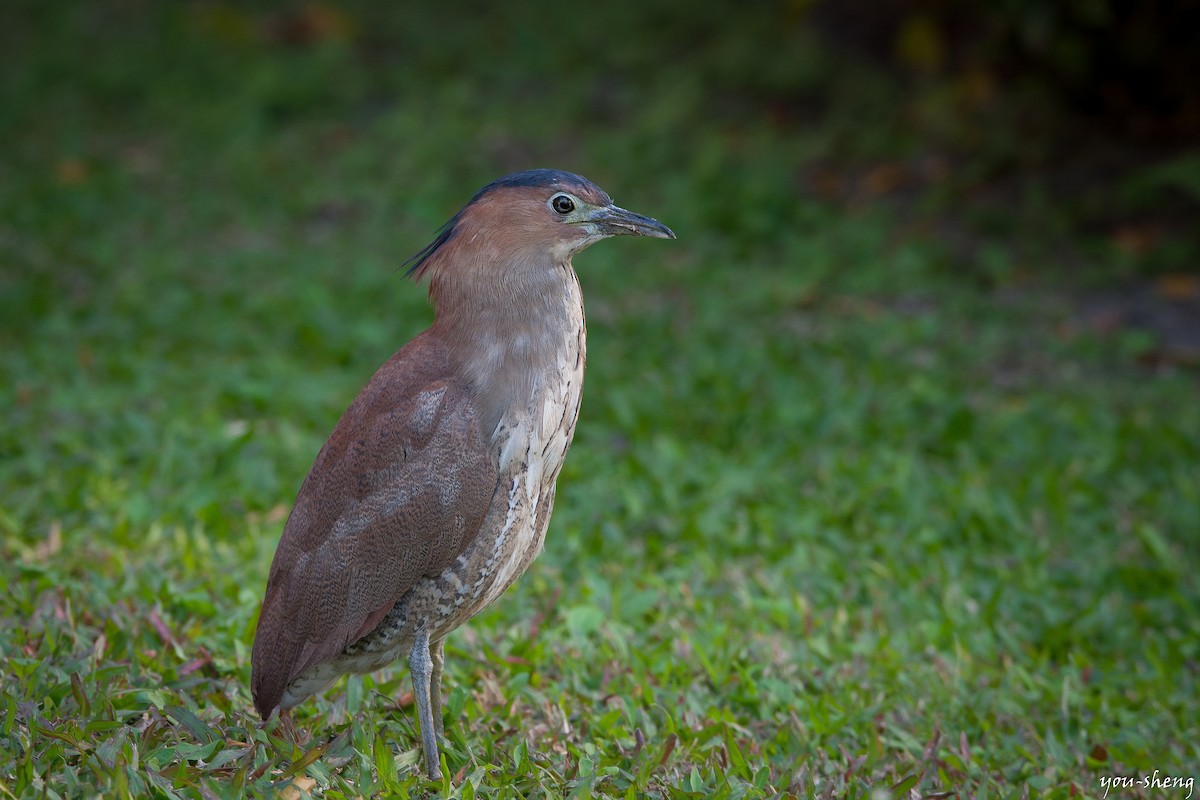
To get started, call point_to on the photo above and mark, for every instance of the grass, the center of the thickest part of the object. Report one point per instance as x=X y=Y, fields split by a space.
x=841 y=519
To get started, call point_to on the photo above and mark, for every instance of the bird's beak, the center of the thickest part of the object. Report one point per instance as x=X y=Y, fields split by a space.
x=616 y=221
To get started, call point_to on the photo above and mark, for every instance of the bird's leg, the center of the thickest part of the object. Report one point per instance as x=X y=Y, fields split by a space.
x=421 y=664
x=437 y=654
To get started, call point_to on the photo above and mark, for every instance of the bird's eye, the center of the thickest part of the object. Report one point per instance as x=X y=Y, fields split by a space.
x=562 y=204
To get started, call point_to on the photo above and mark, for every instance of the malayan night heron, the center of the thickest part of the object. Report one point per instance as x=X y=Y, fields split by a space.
x=432 y=494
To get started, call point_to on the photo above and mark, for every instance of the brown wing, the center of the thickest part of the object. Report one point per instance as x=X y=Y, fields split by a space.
x=399 y=489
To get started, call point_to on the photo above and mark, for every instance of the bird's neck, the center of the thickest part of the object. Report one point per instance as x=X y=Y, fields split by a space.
x=512 y=341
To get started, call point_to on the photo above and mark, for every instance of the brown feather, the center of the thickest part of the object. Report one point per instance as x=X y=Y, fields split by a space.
x=396 y=494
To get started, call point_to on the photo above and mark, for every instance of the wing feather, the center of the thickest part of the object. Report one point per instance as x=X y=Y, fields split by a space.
x=396 y=494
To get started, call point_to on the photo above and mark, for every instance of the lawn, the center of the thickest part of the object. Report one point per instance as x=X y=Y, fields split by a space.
x=849 y=513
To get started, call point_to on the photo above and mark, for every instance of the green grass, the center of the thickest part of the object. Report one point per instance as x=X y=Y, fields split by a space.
x=841 y=518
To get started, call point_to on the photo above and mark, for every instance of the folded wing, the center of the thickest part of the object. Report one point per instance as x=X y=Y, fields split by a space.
x=396 y=494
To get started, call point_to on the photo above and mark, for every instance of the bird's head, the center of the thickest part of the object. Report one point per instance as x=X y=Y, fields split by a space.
x=525 y=221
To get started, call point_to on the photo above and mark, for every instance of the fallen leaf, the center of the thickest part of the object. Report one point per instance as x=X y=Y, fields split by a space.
x=296 y=789
x=315 y=22
x=161 y=628
x=203 y=660
x=1178 y=286
x=668 y=748
x=71 y=171
x=51 y=544
x=1135 y=240
x=882 y=179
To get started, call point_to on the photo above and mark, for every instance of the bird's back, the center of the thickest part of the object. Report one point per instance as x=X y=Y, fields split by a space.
x=397 y=493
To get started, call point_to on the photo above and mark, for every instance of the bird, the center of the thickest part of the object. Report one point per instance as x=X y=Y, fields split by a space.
x=433 y=493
